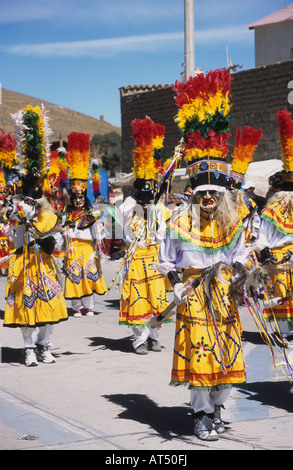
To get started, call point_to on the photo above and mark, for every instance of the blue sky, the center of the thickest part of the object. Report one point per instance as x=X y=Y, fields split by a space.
x=78 y=53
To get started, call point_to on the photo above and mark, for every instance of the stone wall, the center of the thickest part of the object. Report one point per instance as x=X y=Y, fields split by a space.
x=257 y=95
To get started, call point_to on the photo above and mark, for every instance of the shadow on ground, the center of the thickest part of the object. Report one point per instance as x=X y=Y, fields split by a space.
x=168 y=422
x=12 y=355
x=120 y=344
x=276 y=394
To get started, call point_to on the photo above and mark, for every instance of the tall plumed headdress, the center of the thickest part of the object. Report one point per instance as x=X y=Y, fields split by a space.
x=57 y=173
x=78 y=161
x=8 y=159
x=147 y=157
x=203 y=119
x=33 y=148
x=245 y=146
x=286 y=144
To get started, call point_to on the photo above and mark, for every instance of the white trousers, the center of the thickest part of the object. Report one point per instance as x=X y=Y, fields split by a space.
x=34 y=336
x=206 y=401
x=142 y=334
x=84 y=302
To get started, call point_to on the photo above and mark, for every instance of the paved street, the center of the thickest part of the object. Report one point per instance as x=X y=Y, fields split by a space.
x=99 y=395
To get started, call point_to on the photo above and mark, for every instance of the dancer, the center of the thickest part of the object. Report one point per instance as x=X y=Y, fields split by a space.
x=143 y=288
x=206 y=246
x=82 y=264
x=34 y=297
x=275 y=241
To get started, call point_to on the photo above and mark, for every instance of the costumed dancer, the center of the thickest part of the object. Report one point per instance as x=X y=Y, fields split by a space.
x=206 y=245
x=245 y=146
x=275 y=240
x=56 y=180
x=34 y=296
x=84 y=275
x=143 y=287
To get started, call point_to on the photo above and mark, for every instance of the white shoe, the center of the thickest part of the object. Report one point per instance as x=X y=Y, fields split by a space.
x=30 y=358
x=89 y=312
x=45 y=356
x=77 y=314
x=203 y=427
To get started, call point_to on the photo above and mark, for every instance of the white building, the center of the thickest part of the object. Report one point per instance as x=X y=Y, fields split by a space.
x=274 y=37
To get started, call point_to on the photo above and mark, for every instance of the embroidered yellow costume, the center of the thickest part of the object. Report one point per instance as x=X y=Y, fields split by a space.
x=34 y=295
x=275 y=242
x=143 y=288
x=205 y=243
x=82 y=258
x=278 y=230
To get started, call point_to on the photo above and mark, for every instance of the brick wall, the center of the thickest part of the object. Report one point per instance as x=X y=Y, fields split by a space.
x=257 y=94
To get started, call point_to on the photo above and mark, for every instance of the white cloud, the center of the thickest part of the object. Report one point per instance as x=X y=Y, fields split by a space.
x=98 y=47
x=144 y=43
x=232 y=33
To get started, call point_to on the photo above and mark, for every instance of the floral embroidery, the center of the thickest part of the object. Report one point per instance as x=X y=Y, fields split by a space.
x=201 y=349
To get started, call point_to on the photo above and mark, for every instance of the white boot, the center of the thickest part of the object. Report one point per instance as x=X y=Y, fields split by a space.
x=30 y=357
x=45 y=356
x=204 y=428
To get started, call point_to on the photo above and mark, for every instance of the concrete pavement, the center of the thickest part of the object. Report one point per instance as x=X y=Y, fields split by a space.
x=99 y=395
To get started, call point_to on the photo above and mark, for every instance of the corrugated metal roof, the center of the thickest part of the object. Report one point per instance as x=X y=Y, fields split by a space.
x=129 y=89
x=286 y=14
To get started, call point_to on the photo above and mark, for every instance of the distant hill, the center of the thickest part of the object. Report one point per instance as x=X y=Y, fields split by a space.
x=62 y=120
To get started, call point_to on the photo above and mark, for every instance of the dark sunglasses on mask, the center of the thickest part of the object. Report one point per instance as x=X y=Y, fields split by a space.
x=205 y=193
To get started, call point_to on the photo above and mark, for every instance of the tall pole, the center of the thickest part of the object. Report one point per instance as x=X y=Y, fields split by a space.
x=189 y=38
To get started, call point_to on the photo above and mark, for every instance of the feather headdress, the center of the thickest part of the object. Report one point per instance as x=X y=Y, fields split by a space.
x=245 y=146
x=8 y=146
x=78 y=160
x=148 y=137
x=203 y=119
x=286 y=144
x=57 y=173
x=147 y=156
x=33 y=147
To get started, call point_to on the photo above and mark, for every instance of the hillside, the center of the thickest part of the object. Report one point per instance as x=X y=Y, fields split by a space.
x=62 y=120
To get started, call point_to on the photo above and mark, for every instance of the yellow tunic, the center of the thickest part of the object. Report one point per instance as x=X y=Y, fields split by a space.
x=281 y=283
x=207 y=349
x=34 y=295
x=84 y=276
x=144 y=290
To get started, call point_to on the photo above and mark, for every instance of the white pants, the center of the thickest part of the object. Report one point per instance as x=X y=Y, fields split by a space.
x=206 y=401
x=32 y=336
x=84 y=302
x=142 y=334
